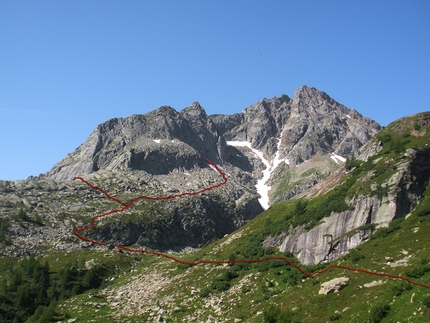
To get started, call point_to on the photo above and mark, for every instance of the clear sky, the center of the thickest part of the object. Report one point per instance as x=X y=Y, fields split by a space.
x=67 y=66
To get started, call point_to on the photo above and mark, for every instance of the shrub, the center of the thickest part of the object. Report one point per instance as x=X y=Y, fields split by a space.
x=220 y=285
x=4 y=225
x=205 y=292
x=355 y=255
x=300 y=207
x=383 y=232
x=378 y=312
x=369 y=226
x=423 y=210
x=418 y=272
x=385 y=137
x=229 y=275
x=351 y=162
x=22 y=215
x=399 y=289
x=335 y=317
x=274 y=314
x=426 y=301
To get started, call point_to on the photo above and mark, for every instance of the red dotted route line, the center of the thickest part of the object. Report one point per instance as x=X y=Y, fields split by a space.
x=77 y=232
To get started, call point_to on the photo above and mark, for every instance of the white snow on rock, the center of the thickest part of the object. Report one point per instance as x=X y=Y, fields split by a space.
x=338 y=159
x=261 y=186
x=277 y=160
x=348 y=116
x=157 y=140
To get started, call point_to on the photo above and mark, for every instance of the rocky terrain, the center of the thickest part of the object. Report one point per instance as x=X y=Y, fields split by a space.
x=271 y=151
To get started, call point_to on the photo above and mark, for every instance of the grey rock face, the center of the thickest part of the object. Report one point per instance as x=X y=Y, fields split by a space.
x=191 y=223
x=156 y=142
x=329 y=240
x=164 y=145
x=311 y=123
x=52 y=209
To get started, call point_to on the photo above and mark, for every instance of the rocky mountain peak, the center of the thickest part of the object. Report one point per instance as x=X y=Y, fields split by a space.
x=269 y=105
x=283 y=132
x=309 y=101
x=308 y=91
x=195 y=110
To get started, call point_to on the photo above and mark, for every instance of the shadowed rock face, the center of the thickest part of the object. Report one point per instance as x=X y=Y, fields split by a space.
x=156 y=142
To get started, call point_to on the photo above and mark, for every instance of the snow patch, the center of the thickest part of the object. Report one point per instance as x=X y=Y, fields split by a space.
x=348 y=116
x=337 y=159
x=213 y=167
x=261 y=186
x=157 y=140
x=239 y=144
x=219 y=166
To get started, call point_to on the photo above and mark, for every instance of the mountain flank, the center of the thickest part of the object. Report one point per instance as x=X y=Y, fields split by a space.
x=283 y=132
x=271 y=151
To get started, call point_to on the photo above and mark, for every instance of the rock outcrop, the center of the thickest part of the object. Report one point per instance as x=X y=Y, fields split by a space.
x=289 y=132
x=311 y=123
x=333 y=286
x=40 y=214
x=394 y=194
x=157 y=142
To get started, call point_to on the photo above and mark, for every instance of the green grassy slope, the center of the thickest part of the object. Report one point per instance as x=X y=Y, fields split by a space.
x=253 y=292
x=264 y=292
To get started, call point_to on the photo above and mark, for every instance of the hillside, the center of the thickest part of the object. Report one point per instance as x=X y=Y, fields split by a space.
x=391 y=173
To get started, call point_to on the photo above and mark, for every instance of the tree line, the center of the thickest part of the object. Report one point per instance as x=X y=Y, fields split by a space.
x=30 y=291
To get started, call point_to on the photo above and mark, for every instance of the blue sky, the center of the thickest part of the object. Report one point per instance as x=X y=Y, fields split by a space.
x=66 y=66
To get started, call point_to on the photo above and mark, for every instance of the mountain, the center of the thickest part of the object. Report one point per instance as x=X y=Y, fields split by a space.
x=157 y=143
x=376 y=204
x=354 y=228
x=271 y=151
x=281 y=132
x=385 y=216
x=311 y=123
x=292 y=130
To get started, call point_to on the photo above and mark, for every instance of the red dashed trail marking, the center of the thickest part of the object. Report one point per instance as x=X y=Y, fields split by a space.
x=125 y=206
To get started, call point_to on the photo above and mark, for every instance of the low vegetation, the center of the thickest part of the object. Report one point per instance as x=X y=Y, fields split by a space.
x=30 y=288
